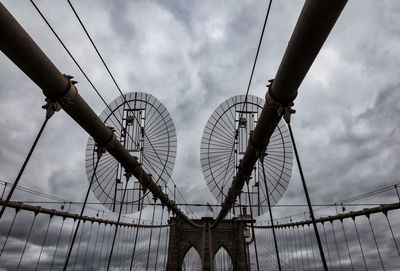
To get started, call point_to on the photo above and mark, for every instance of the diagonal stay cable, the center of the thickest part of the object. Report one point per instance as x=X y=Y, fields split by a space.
x=116 y=84
x=80 y=68
x=251 y=77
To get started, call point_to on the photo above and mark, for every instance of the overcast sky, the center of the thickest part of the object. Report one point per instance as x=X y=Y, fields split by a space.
x=192 y=56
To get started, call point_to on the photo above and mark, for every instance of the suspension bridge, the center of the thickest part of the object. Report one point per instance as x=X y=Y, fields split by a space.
x=248 y=150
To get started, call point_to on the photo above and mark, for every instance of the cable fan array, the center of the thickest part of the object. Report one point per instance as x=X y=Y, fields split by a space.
x=224 y=142
x=145 y=128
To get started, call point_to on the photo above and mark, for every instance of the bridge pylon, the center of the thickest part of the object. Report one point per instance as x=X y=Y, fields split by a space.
x=229 y=234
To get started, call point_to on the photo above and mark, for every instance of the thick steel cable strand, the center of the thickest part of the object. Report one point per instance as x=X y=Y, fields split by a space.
x=10 y=193
x=310 y=208
x=62 y=43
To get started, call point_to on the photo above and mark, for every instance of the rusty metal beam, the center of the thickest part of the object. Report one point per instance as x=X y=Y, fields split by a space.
x=20 y=48
x=315 y=22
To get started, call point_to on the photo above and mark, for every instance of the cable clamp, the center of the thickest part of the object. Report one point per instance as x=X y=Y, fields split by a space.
x=51 y=107
x=283 y=110
x=70 y=95
x=100 y=150
x=54 y=104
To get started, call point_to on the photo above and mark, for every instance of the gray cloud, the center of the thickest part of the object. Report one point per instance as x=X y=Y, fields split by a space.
x=192 y=57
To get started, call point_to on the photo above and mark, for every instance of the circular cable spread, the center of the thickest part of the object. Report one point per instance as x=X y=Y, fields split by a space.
x=223 y=144
x=145 y=128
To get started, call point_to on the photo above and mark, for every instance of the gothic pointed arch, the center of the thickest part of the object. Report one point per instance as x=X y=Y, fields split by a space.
x=192 y=260
x=222 y=260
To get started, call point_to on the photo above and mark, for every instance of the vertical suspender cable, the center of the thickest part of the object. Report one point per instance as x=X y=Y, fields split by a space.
x=305 y=244
x=359 y=242
x=95 y=246
x=270 y=214
x=347 y=245
x=252 y=227
x=301 y=248
x=44 y=241
x=116 y=226
x=58 y=241
x=159 y=238
x=337 y=249
x=151 y=235
x=390 y=227
x=376 y=243
x=108 y=245
x=9 y=231
x=79 y=244
x=26 y=242
x=99 y=153
x=4 y=190
x=166 y=246
x=87 y=246
x=101 y=247
x=298 y=248
x=327 y=246
x=312 y=246
x=137 y=230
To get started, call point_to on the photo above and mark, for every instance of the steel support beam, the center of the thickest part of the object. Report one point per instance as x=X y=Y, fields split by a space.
x=315 y=22
x=20 y=48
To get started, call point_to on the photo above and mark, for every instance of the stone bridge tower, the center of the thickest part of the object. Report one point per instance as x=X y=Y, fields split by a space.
x=228 y=234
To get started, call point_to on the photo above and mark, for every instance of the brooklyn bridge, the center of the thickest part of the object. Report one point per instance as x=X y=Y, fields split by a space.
x=87 y=176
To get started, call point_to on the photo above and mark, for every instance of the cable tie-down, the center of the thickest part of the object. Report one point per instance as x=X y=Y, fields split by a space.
x=283 y=110
x=51 y=107
x=100 y=150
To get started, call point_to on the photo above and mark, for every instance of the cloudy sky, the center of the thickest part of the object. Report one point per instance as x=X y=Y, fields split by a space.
x=192 y=56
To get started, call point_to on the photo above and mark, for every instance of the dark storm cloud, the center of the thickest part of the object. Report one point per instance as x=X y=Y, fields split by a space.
x=192 y=57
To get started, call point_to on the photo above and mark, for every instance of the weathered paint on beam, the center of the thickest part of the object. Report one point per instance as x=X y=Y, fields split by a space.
x=315 y=22
x=20 y=48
